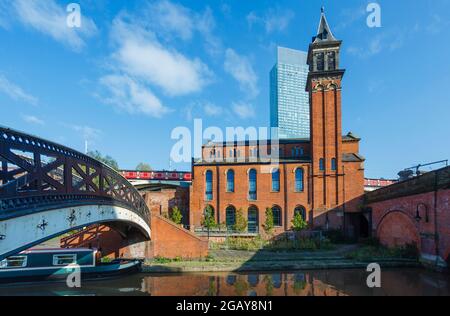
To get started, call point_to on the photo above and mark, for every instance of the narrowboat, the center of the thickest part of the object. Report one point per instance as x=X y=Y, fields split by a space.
x=57 y=264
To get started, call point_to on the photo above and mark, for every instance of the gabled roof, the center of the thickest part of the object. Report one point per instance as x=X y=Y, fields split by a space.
x=353 y=157
x=350 y=137
x=324 y=33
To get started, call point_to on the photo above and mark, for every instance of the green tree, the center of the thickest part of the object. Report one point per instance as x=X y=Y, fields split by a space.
x=142 y=166
x=298 y=223
x=268 y=224
x=208 y=218
x=176 y=216
x=241 y=222
x=107 y=160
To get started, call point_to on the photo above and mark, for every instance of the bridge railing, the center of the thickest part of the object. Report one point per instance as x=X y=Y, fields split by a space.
x=37 y=174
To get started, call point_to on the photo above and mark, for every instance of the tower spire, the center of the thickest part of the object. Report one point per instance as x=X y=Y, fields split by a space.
x=323 y=32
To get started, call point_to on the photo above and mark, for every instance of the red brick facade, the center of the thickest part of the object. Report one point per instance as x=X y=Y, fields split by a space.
x=162 y=201
x=333 y=173
x=415 y=211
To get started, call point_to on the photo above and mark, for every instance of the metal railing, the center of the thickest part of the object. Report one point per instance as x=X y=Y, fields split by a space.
x=38 y=175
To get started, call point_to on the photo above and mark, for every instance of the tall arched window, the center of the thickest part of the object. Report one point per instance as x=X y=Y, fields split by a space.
x=333 y=164
x=299 y=186
x=230 y=217
x=230 y=181
x=300 y=210
x=276 y=211
x=321 y=164
x=276 y=180
x=208 y=185
x=252 y=185
x=252 y=219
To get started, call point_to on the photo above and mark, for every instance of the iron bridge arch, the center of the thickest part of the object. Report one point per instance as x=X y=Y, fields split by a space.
x=38 y=175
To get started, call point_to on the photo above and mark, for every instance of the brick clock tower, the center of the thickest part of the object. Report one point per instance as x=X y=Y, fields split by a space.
x=324 y=87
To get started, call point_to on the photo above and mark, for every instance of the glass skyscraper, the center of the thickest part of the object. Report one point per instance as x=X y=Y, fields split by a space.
x=289 y=102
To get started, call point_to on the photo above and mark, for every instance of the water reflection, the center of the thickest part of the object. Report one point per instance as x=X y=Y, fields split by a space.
x=309 y=283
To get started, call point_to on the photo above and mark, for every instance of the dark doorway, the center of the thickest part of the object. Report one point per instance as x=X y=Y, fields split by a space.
x=363 y=227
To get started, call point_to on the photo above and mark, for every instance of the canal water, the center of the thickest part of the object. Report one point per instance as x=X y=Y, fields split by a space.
x=416 y=282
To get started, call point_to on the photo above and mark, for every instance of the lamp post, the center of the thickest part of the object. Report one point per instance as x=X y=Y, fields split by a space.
x=418 y=217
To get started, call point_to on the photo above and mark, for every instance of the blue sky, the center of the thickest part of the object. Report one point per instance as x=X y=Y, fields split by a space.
x=137 y=69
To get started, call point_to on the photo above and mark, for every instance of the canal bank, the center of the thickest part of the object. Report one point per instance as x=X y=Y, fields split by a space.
x=345 y=257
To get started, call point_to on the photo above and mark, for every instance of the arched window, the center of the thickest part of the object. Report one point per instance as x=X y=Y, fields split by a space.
x=230 y=217
x=321 y=164
x=331 y=60
x=276 y=211
x=252 y=220
x=230 y=181
x=300 y=210
x=252 y=185
x=208 y=185
x=333 y=164
x=276 y=180
x=320 y=62
x=231 y=279
x=299 y=186
x=277 y=280
x=253 y=279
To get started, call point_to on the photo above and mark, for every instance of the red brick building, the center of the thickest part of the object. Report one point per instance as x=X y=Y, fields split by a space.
x=321 y=177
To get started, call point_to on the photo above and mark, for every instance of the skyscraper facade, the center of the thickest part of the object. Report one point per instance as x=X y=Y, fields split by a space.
x=289 y=102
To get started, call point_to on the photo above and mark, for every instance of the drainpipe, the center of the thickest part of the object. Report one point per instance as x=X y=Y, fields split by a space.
x=436 y=233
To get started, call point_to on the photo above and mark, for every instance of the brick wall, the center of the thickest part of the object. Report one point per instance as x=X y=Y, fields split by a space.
x=168 y=241
x=161 y=202
x=395 y=221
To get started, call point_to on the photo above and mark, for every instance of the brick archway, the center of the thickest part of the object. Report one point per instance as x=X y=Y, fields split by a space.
x=397 y=228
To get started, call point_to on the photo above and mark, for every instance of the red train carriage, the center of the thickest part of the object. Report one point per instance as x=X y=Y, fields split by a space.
x=157 y=175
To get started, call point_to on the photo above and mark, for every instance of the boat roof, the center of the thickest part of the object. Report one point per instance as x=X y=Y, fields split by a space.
x=56 y=250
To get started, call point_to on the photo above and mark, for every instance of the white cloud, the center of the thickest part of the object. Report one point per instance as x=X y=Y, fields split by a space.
x=172 y=22
x=49 y=18
x=33 y=120
x=243 y=110
x=241 y=69
x=274 y=20
x=211 y=109
x=131 y=96
x=387 y=41
x=437 y=24
x=202 y=108
x=88 y=133
x=15 y=92
x=206 y=25
x=171 y=18
x=140 y=54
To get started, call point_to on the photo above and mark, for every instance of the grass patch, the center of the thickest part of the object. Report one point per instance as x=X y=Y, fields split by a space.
x=258 y=243
x=378 y=251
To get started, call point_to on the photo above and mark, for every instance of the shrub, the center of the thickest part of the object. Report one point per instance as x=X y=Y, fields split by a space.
x=298 y=223
x=268 y=224
x=176 y=216
x=208 y=218
x=241 y=222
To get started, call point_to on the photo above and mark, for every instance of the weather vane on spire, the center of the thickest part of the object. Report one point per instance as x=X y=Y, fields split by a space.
x=322 y=9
